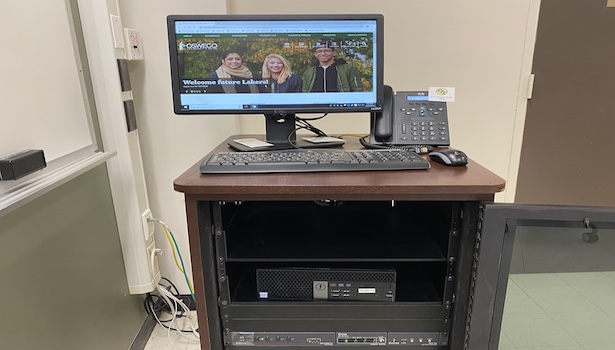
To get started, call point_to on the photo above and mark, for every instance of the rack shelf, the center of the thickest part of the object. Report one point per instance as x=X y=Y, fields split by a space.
x=347 y=231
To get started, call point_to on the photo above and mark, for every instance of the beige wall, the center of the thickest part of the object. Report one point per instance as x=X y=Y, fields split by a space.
x=480 y=47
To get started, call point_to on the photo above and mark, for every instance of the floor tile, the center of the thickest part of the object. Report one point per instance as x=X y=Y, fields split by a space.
x=609 y=274
x=611 y=313
x=565 y=347
x=587 y=328
x=534 y=330
x=538 y=280
x=578 y=280
x=505 y=343
x=600 y=347
x=597 y=287
x=560 y=299
x=518 y=302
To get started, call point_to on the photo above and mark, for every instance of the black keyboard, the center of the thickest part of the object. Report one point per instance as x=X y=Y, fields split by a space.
x=314 y=160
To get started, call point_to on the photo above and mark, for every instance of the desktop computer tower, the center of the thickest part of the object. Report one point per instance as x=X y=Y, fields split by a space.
x=307 y=274
x=310 y=284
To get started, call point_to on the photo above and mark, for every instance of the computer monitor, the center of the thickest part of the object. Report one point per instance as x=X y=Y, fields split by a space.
x=272 y=65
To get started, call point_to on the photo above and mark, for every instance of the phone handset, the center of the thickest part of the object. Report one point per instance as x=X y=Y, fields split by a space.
x=383 y=121
x=409 y=118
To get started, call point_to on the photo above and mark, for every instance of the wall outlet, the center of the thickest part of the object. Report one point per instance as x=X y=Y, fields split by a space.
x=134 y=44
x=154 y=270
x=148 y=226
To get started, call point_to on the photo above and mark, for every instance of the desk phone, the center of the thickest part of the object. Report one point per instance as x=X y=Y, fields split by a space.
x=409 y=118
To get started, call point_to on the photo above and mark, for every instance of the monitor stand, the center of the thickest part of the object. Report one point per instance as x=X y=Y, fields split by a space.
x=281 y=134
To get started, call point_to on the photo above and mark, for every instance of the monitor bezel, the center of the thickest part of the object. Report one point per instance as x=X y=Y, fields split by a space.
x=288 y=110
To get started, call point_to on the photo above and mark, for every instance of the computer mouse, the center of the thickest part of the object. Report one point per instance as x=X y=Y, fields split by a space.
x=449 y=156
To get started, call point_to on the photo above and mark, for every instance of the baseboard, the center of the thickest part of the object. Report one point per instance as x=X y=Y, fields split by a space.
x=144 y=333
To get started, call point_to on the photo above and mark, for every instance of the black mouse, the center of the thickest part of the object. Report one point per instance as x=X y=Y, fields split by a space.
x=449 y=156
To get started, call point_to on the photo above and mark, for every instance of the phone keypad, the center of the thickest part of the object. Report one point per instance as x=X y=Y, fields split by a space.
x=424 y=131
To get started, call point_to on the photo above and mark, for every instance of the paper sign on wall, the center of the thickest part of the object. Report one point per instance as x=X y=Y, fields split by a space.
x=442 y=94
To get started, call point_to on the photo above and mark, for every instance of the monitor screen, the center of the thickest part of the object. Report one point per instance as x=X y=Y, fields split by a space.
x=276 y=64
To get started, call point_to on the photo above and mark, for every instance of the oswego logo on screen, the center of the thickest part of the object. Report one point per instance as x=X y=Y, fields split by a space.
x=197 y=46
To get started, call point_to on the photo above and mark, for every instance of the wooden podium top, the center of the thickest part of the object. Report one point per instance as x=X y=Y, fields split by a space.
x=471 y=182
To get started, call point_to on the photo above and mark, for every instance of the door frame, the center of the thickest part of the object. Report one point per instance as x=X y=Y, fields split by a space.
x=523 y=95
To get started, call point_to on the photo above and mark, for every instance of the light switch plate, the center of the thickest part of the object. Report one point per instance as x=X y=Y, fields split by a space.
x=116 y=28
